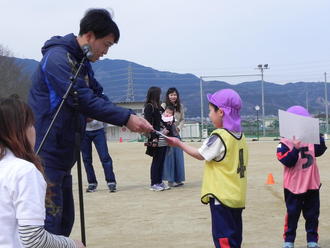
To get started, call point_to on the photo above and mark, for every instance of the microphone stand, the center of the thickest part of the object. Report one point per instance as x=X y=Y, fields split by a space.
x=77 y=141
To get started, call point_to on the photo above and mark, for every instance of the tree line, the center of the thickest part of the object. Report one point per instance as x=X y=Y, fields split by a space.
x=13 y=79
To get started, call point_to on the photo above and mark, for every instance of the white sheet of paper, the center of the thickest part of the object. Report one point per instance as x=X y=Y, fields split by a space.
x=161 y=134
x=306 y=129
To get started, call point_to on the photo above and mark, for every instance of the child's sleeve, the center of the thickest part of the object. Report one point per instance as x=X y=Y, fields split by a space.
x=321 y=148
x=213 y=149
x=287 y=157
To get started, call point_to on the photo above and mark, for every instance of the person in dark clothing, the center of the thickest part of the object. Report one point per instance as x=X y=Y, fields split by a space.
x=61 y=58
x=157 y=144
x=96 y=133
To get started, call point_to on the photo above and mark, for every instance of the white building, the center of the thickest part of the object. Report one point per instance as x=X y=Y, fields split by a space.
x=119 y=134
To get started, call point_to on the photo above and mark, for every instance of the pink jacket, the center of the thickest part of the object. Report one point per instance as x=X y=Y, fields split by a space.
x=304 y=175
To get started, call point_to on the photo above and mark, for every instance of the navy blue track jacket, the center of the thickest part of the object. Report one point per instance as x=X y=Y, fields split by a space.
x=61 y=58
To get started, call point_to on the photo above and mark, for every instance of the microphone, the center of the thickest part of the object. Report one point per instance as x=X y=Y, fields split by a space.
x=87 y=50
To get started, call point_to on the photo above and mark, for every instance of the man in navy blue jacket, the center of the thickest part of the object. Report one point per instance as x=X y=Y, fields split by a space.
x=61 y=58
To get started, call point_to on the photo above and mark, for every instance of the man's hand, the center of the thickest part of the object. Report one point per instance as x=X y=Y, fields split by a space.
x=138 y=125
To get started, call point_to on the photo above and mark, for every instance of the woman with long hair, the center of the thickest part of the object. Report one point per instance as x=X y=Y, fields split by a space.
x=156 y=146
x=22 y=183
x=174 y=161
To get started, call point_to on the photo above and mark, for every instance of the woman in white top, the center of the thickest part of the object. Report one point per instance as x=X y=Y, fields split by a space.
x=174 y=161
x=22 y=184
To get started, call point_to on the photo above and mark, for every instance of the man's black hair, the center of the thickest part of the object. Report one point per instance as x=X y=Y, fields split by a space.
x=100 y=22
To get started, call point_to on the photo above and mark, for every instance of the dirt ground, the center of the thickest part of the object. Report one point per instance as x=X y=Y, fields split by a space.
x=136 y=217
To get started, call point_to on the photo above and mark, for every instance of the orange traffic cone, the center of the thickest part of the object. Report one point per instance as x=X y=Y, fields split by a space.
x=120 y=139
x=270 y=179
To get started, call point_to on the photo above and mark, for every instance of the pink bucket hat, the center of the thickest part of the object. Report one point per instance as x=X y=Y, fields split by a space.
x=298 y=110
x=230 y=102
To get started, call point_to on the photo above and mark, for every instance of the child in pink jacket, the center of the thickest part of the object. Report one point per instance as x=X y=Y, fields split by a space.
x=301 y=184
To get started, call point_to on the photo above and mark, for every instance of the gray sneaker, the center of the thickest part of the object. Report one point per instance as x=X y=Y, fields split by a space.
x=91 y=187
x=156 y=187
x=164 y=186
x=288 y=245
x=178 y=184
x=313 y=245
x=112 y=187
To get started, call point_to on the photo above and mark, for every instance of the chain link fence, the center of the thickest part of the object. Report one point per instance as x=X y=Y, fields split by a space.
x=251 y=130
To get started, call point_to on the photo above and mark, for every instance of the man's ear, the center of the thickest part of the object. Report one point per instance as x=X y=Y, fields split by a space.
x=89 y=36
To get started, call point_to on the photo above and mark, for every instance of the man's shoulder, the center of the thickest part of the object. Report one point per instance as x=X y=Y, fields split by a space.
x=55 y=56
x=59 y=55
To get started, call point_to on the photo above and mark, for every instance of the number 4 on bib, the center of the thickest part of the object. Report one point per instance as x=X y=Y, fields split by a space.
x=241 y=167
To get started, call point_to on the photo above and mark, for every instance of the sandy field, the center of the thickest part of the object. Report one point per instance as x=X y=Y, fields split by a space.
x=136 y=217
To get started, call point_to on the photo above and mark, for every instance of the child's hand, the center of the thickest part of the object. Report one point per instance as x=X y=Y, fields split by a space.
x=172 y=141
x=296 y=142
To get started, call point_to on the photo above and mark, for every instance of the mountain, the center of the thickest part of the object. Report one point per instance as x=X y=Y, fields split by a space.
x=28 y=65
x=114 y=75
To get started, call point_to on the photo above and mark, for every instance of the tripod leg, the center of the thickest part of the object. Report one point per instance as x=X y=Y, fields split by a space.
x=80 y=188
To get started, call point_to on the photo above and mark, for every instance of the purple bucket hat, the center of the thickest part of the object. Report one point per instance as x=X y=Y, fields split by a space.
x=298 y=110
x=230 y=103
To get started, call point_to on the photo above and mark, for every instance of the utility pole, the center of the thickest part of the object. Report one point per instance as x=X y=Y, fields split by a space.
x=130 y=91
x=326 y=103
x=262 y=68
x=201 y=81
x=202 y=105
x=257 y=108
x=306 y=95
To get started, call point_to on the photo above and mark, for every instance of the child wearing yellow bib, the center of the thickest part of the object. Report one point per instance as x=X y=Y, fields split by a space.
x=224 y=182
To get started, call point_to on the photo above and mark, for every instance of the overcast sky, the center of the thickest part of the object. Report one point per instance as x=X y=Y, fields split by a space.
x=203 y=37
